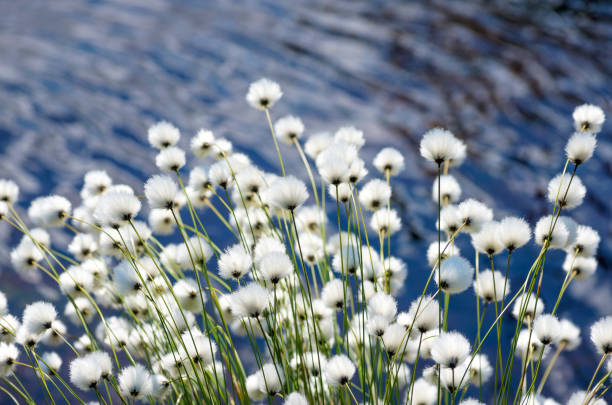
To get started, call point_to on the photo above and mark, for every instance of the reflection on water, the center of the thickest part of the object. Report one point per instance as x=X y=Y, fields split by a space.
x=80 y=81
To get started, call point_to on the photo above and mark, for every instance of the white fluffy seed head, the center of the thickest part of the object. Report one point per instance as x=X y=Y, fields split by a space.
x=455 y=275
x=85 y=372
x=440 y=145
x=382 y=304
x=170 y=159
x=375 y=194
x=263 y=94
x=9 y=191
x=487 y=239
x=161 y=192
x=295 y=398
x=450 y=349
x=580 y=147
x=559 y=236
x=116 y=208
x=270 y=379
x=333 y=294
x=450 y=190
x=570 y=334
x=601 y=335
x=480 y=369
x=389 y=160
x=202 y=142
x=234 y=263
x=350 y=135
x=567 y=191
x=50 y=211
x=586 y=242
x=528 y=304
x=8 y=357
x=445 y=250
x=136 y=382
x=250 y=300
x=514 y=233
x=547 y=329
x=474 y=215
x=339 y=370
x=385 y=222
x=491 y=286
x=287 y=193
x=163 y=135
x=288 y=129
x=581 y=267
x=275 y=266
x=38 y=317
x=588 y=118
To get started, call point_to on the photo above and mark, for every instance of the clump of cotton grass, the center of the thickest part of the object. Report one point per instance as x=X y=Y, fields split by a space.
x=266 y=286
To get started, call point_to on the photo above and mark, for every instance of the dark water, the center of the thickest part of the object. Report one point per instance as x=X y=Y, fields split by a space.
x=81 y=81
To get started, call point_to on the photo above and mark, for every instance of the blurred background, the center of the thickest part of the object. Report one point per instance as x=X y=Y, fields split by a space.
x=81 y=81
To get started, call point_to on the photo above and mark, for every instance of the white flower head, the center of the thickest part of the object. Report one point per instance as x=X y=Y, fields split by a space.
x=389 y=160
x=250 y=300
x=440 y=145
x=263 y=94
x=136 y=382
x=275 y=266
x=317 y=143
x=558 y=238
x=288 y=129
x=568 y=192
x=491 y=286
x=450 y=349
x=580 y=147
x=601 y=335
x=450 y=190
x=85 y=372
x=9 y=191
x=547 y=329
x=586 y=242
x=116 y=208
x=234 y=263
x=454 y=275
x=202 y=142
x=514 y=233
x=170 y=159
x=333 y=294
x=270 y=379
x=161 y=192
x=351 y=136
x=375 y=194
x=480 y=369
x=287 y=193
x=295 y=398
x=588 y=118
x=339 y=370
x=50 y=211
x=529 y=305
x=163 y=135
x=581 y=267
x=8 y=358
x=39 y=316
x=385 y=222
x=474 y=215
x=570 y=335
x=487 y=239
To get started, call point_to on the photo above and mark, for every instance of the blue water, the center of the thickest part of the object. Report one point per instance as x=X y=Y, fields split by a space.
x=80 y=82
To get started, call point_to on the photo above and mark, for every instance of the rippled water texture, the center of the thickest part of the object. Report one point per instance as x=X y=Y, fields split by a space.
x=81 y=81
